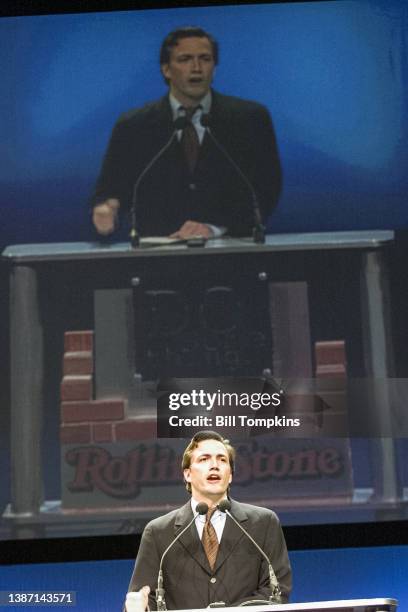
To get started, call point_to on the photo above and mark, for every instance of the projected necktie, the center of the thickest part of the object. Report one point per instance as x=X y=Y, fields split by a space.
x=209 y=539
x=189 y=140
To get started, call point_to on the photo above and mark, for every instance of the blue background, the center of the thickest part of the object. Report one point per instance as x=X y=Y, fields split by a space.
x=333 y=74
x=319 y=575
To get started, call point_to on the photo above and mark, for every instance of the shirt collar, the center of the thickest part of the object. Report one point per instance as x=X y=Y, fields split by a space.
x=194 y=504
x=176 y=106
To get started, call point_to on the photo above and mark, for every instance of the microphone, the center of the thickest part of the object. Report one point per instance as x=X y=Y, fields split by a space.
x=201 y=508
x=258 y=231
x=179 y=124
x=275 y=597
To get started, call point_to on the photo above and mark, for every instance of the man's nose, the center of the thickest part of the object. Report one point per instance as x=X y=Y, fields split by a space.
x=196 y=64
x=213 y=463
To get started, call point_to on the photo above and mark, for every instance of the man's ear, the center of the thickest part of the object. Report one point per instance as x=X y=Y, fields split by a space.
x=165 y=70
x=186 y=474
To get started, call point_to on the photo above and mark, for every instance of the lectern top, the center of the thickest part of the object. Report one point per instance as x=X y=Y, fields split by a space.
x=151 y=247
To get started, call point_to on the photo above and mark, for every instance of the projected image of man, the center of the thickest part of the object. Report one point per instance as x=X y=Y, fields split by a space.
x=179 y=162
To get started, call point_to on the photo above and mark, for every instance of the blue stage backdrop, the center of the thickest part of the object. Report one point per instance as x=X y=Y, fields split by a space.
x=319 y=575
x=333 y=74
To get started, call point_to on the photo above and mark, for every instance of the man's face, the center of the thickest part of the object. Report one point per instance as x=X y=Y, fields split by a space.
x=190 y=69
x=210 y=472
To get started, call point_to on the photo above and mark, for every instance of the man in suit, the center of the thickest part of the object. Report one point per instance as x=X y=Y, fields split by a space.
x=213 y=561
x=193 y=188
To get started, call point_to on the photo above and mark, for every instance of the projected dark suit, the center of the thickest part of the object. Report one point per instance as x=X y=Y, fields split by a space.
x=214 y=193
x=239 y=573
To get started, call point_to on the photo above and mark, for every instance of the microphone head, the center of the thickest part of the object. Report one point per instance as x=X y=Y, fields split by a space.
x=202 y=508
x=224 y=505
x=205 y=120
x=180 y=123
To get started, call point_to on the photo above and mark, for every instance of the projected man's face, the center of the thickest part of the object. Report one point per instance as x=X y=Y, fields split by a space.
x=190 y=70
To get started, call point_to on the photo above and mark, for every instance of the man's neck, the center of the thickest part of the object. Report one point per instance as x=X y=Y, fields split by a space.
x=186 y=102
x=210 y=501
x=204 y=102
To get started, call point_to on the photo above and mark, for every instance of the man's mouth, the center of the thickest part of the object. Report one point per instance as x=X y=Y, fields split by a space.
x=213 y=478
x=195 y=80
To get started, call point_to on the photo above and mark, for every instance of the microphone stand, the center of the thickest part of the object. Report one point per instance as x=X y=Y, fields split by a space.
x=276 y=595
x=258 y=231
x=201 y=508
x=134 y=237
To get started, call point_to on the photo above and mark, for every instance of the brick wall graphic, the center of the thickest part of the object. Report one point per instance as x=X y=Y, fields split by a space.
x=113 y=460
x=85 y=420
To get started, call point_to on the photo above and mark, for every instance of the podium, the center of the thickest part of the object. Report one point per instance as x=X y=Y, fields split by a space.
x=342 y=605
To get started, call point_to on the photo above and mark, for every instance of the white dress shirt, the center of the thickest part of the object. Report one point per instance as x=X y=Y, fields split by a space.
x=218 y=521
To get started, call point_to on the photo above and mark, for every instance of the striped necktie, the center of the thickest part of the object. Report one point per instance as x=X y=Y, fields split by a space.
x=189 y=140
x=209 y=539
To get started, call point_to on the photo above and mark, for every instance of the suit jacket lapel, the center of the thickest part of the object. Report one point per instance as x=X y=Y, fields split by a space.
x=220 y=126
x=231 y=535
x=190 y=539
x=220 y=118
x=162 y=121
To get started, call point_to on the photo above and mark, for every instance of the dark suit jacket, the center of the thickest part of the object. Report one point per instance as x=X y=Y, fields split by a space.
x=215 y=193
x=240 y=572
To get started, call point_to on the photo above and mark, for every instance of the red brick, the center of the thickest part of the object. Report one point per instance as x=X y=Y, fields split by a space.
x=97 y=410
x=75 y=434
x=330 y=352
x=78 y=341
x=76 y=388
x=334 y=370
x=79 y=362
x=102 y=432
x=135 y=429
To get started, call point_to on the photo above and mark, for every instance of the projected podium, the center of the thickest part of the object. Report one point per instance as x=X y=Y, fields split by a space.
x=83 y=268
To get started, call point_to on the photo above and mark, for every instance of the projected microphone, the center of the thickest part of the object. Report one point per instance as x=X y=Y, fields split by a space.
x=179 y=124
x=201 y=508
x=258 y=231
x=275 y=597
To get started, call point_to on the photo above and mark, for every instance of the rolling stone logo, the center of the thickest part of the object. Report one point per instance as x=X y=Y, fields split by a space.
x=152 y=465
